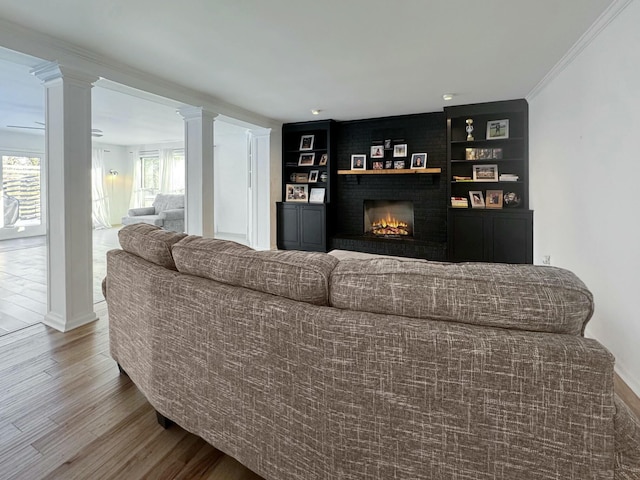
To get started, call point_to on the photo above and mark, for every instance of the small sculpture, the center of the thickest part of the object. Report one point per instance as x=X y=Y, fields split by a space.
x=469 y=130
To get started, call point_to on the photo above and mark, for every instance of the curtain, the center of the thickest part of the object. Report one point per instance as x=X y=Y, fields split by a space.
x=171 y=170
x=137 y=194
x=100 y=210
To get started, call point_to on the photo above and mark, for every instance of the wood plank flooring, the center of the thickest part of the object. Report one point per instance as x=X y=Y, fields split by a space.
x=67 y=413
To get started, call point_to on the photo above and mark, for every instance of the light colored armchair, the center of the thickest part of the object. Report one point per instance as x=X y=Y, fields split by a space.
x=167 y=212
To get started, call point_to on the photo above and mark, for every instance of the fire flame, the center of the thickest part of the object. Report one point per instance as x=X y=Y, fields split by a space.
x=389 y=226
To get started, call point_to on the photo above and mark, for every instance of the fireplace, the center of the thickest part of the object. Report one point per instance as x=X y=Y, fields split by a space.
x=388 y=218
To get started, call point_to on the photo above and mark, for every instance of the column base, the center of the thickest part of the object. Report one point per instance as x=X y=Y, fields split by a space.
x=55 y=320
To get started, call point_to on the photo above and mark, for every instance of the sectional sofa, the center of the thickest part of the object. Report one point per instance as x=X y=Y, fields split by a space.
x=316 y=366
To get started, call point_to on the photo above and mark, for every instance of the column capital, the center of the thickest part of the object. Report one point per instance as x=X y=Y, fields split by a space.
x=50 y=72
x=189 y=112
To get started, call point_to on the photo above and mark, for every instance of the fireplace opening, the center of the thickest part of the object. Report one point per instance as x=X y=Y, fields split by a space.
x=388 y=218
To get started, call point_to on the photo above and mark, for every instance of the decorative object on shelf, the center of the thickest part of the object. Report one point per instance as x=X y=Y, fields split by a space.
x=306 y=142
x=387 y=144
x=359 y=162
x=459 y=202
x=419 y=160
x=469 y=129
x=477 y=199
x=462 y=178
x=398 y=164
x=297 y=193
x=299 y=177
x=483 y=153
x=378 y=165
x=400 y=150
x=494 y=198
x=323 y=177
x=323 y=159
x=388 y=165
x=317 y=195
x=511 y=200
x=377 y=151
x=306 y=159
x=485 y=173
x=313 y=176
x=497 y=129
x=509 y=177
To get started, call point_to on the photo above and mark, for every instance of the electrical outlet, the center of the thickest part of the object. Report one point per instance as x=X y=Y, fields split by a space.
x=546 y=259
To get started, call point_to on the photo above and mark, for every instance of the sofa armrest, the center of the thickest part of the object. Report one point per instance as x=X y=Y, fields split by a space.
x=136 y=212
x=173 y=214
x=627 y=435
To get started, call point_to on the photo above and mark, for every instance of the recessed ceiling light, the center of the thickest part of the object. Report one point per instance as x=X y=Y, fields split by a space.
x=316 y=111
x=447 y=96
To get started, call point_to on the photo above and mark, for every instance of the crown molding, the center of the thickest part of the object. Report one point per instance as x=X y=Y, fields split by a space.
x=46 y=48
x=583 y=42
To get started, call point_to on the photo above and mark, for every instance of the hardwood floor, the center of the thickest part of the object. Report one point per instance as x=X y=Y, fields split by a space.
x=67 y=413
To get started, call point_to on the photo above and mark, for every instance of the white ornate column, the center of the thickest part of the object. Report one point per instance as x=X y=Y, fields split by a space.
x=198 y=146
x=69 y=226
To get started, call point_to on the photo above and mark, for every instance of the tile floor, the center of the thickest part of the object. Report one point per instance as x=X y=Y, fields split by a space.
x=23 y=277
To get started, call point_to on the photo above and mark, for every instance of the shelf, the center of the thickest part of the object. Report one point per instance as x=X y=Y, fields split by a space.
x=489 y=160
x=486 y=141
x=404 y=171
x=295 y=165
x=315 y=150
x=476 y=182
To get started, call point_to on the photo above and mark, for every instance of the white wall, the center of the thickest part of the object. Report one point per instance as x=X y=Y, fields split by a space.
x=118 y=187
x=20 y=142
x=585 y=168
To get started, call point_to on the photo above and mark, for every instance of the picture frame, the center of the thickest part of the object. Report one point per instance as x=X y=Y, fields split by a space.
x=477 y=199
x=306 y=159
x=400 y=150
x=377 y=151
x=494 y=199
x=497 y=129
x=359 y=161
x=317 y=195
x=306 y=142
x=323 y=159
x=485 y=173
x=398 y=165
x=313 y=176
x=300 y=177
x=418 y=161
x=378 y=165
x=388 y=165
x=296 y=193
x=387 y=144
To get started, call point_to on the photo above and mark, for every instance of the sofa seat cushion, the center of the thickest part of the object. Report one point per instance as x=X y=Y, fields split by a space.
x=301 y=276
x=150 y=242
x=525 y=297
x=148 y=219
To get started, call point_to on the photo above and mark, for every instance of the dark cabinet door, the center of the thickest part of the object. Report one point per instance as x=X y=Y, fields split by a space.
x=502 y=236
x=302 y=226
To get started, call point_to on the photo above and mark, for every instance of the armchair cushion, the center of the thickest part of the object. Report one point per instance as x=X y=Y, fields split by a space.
x=167 y=201
x=173 y=214
x=137 y=212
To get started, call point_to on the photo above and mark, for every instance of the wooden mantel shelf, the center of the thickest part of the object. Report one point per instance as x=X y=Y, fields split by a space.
x=404 y=171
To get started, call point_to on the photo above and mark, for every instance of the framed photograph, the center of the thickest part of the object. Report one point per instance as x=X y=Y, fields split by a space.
x=377 y=151
x=306 y=142
x=378 y=165
x=477 y=199
x=418 y=160
x=297 y=193
x=485 y=173
x=387 y=144
x=388 y=165
x=398 y=164
x=494 y=199
x=497 y=129
x=300 y=177
x=470 y=153
x=317 y=195
x=313 y=176
x=400 y=150
x=358 y=162
x=323 y=159
x=306 y=159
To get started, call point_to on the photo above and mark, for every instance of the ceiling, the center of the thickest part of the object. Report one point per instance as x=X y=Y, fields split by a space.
x=350 y=59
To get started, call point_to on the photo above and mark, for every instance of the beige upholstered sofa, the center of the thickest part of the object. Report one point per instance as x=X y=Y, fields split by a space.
x=303 y=366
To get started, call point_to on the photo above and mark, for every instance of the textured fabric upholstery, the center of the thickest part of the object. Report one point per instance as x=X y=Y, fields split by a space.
x=150 y=242
x=167 y=212
x=298 y=391
x=167 y=201
x=296 y=275
x=525 y=297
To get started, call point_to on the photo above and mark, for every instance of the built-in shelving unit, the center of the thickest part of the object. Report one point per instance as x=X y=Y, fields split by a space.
x=391 y=172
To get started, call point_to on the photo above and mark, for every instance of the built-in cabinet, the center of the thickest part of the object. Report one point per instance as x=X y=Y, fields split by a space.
x=307 y=177
x=488 y=169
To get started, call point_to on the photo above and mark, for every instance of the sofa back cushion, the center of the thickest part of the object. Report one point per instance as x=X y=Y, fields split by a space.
x=168 y=201
x=525 y=297
x=301 y=276
x=150 y=242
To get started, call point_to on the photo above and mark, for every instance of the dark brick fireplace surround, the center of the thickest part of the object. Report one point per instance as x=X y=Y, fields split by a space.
x=422 y=133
